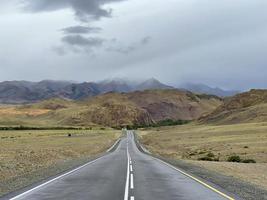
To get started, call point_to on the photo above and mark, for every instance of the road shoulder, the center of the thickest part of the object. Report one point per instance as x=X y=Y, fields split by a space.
x=31 y=180
x=230 y=184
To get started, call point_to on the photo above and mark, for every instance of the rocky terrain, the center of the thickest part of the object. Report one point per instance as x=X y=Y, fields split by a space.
x=245 y=107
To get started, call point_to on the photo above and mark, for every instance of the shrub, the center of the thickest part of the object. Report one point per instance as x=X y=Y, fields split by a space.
x=248 y=161
x=206 y=158
x=202 y=152
x=211 y=155
x=245 y=147
x=234 y=158
x=192 y=154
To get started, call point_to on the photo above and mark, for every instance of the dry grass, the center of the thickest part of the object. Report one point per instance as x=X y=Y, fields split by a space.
x=253 y=173
x=192 y=141
x=23 y=152
x=29 y=112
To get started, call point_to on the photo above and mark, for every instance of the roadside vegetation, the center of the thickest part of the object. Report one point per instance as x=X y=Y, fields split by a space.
x=30 y=155
x=236 y=150
x=10 y=128
x=167 y=122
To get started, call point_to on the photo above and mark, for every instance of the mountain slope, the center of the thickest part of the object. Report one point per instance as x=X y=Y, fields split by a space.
x=17 y=92
x=152 y=84
x=174 y=104
x=78 y=91
x=245 y=107
x=116 y=85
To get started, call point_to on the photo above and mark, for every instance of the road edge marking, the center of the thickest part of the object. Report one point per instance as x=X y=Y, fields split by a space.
x=184 y=173
x=113 y=145
x=56 y=178
x=196 y=179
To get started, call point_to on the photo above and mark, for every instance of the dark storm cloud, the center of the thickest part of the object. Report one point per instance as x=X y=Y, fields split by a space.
x=78 y=40
x=81 y=30
x=84 y=9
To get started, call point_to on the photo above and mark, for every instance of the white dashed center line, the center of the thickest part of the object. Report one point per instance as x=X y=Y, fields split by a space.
x=126 y=193
x=130 y=177
x=132 y=182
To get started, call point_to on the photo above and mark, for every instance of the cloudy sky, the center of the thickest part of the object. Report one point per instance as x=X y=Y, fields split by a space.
x=217 y=42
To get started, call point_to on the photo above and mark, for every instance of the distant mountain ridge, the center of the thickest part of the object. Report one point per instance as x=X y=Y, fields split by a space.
x=204 y=89
x=19 y=92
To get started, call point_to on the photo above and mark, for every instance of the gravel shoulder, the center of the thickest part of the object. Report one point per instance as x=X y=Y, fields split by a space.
x=22 y=183
x=233 y=185
x=29 y=157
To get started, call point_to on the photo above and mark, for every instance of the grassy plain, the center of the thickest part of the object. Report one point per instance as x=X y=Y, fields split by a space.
x=24 y=152
x=193 y=142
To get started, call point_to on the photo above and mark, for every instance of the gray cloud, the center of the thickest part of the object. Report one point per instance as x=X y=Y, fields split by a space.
x=85 y=10
x=78 y=40
x=81 y=30
x=78 y=44
x=146 y=40
x=59 y=50
x=120 y=49
x=117 y=47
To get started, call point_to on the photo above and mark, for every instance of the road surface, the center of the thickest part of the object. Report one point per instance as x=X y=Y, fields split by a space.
x=125 y=174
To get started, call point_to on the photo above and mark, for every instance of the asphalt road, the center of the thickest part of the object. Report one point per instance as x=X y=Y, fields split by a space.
x=125 y=174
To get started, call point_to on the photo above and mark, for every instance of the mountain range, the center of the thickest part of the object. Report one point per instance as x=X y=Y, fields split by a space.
x=20 y=92
x=146 y=107
x=112 y=109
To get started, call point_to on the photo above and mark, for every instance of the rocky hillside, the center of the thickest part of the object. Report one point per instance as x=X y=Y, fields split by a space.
x=174 y=104
x=119 y=109
x=245 y=107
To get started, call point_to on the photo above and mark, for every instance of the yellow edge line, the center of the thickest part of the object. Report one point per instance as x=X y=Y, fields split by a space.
x=199 y=181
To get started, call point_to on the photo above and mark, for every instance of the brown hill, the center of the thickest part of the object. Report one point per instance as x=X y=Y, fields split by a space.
x=174 y=104
x=119 y=109
x=245 y=107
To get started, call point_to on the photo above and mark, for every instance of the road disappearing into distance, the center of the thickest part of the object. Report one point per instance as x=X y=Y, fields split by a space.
x=124 y=174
